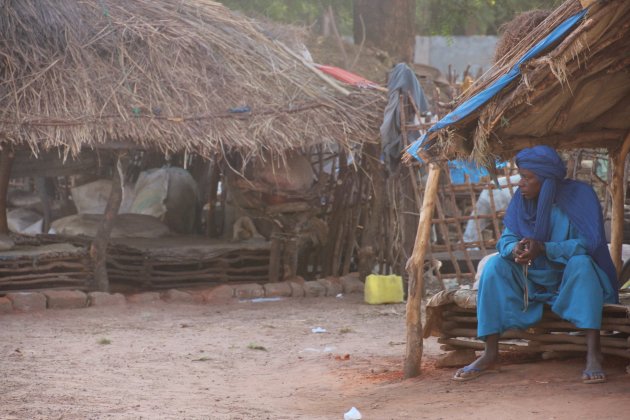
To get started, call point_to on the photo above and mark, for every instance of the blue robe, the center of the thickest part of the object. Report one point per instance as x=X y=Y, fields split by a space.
x=566 y=278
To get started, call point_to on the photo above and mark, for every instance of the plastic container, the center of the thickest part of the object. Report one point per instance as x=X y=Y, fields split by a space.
x=383 y=289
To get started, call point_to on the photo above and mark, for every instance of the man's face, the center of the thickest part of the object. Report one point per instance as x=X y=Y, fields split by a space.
x=529 y=184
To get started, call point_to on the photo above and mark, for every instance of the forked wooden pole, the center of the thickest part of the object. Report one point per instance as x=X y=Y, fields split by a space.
x=98 y=248
x=618 y=158
x=413 y=357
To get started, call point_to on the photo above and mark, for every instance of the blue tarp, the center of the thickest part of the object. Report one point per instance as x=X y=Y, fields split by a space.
x=484 y=96
x=459 y=169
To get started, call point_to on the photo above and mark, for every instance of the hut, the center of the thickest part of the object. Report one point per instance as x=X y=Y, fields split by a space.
x=86 y=85
x=565 y=84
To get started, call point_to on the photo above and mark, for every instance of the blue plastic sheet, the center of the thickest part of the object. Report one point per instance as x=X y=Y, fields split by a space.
x=484 y=96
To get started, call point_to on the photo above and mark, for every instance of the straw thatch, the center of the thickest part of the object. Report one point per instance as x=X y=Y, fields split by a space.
x=163 y=74
x=576 y=94
x=518 y=28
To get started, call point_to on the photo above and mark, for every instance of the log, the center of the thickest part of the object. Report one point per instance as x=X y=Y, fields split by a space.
x=479 y=345
x=543 y=338
x=413 y=357
x=606 y=320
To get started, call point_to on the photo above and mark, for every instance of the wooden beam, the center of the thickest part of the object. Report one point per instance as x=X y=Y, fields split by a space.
x=415 y=264
x=583 y=139
x=6 y=162
x=618 y=159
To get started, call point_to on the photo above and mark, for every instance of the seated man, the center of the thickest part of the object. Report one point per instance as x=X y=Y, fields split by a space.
x=553 y=251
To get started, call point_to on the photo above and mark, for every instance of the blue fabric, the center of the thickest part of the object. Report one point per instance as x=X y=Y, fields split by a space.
x=566 y=278
x=484 y=96
x=400 y=79
x=531 y=218
x=458 y=170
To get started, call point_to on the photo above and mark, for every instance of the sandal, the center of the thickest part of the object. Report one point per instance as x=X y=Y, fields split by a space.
x=473 y=373
x=593 y=376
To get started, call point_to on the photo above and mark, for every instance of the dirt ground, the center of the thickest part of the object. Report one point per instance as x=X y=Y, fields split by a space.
x=262 y=360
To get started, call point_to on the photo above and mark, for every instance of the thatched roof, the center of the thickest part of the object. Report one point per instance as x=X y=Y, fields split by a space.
x=575 y=94
x=163 y=74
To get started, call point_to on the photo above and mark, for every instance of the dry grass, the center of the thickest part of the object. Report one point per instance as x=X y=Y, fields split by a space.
x=163 y=74
x=517 y=29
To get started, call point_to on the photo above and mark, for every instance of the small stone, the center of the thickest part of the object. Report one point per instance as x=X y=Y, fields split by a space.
x=332 y=284
x=27 y=301
x=174 y=295
x=297 y=289
x=106 y=299
x=146 y=297
x=351 y=283
x=314 y=289
x=249 y=291
x=65 y=299
x=219 y=294
x=281 y=289
x=5 y=305
x=295 y=279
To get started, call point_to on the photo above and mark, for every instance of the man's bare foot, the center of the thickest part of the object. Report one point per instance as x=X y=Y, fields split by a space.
x=593 y=372
x=487 y=363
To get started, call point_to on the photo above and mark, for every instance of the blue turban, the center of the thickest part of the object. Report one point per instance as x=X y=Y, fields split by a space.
x=531 y=218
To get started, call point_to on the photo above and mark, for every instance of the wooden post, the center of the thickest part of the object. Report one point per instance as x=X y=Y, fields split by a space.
x=275 y=254
x=215 y=176
x=98 y=249
x=44 y=193
x=374 y=209
x=6 y=162
x=413 y=357
x=618 y=160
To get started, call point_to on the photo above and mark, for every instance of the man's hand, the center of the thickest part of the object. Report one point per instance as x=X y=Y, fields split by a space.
x=527 y=250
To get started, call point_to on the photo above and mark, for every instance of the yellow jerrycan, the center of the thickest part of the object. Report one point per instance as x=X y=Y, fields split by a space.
x=383 y=289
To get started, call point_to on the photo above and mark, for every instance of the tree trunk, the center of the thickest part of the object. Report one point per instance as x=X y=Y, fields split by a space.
x=387 y=25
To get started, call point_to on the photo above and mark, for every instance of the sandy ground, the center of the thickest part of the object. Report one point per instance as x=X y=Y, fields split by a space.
x=262 y=360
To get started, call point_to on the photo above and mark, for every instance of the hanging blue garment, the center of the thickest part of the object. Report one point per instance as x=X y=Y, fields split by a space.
x=402 y=79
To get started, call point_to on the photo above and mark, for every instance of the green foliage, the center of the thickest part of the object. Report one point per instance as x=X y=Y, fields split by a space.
x=472 y=17
x=433 y=17
x=300 y=12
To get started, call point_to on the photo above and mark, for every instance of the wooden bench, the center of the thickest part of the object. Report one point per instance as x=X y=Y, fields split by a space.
x=452 y=317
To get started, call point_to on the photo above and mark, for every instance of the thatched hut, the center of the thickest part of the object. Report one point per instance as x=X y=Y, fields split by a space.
x=566 y=84
x=190 y=77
